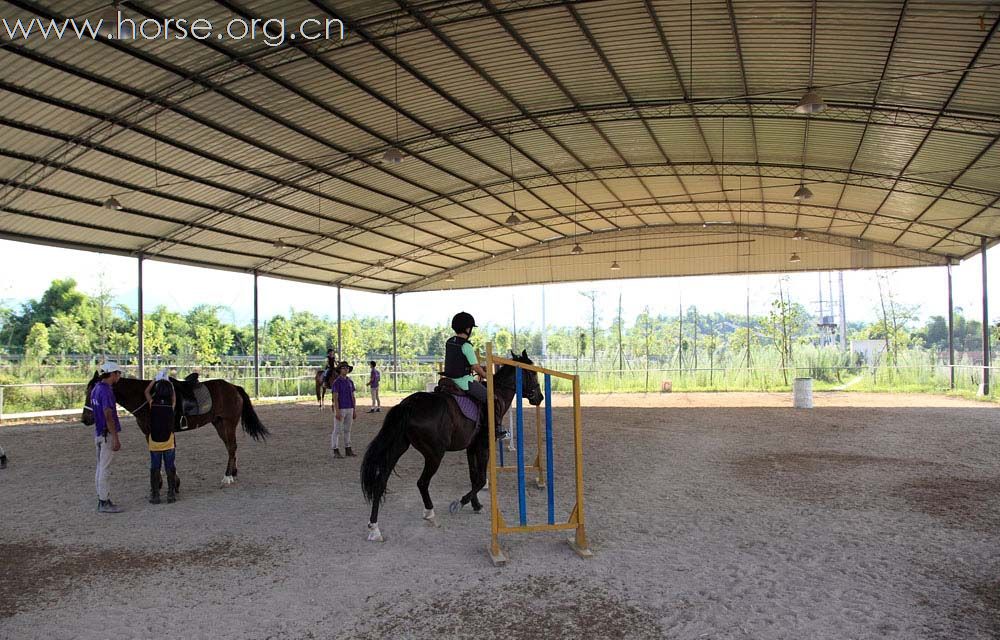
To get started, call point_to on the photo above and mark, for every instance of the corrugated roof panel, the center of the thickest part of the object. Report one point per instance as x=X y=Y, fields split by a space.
x=629 y=40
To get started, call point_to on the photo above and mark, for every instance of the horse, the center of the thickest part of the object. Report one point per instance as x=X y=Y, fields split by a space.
x=320 y=387
x=433 y=424
x=230 y=403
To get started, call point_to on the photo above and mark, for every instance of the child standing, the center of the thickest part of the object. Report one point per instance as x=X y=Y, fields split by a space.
x=344 y=411
x=373 y=381
x=161 y=398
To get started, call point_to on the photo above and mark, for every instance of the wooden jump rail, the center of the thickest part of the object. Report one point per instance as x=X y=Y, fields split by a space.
x=576 y=518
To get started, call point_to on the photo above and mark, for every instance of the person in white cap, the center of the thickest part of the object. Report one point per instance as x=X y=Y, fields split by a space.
x=106 y=428
x=162 y=398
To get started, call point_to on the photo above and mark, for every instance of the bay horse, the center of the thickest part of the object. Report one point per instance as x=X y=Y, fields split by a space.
x=320 y=387
x=433 y=424
x=230 y=404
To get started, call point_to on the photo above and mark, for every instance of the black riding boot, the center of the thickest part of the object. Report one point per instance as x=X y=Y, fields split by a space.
x=498 y=432
x=155 y=482
x=172 y=484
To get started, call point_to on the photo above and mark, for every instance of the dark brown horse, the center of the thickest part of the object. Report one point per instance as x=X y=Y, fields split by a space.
x=230 y=404
x=320 y=387
x=433 y=424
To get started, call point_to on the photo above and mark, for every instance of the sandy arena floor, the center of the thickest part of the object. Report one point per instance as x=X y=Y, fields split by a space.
x=710 y=516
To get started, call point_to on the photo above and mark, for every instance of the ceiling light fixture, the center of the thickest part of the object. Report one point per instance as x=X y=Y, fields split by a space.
x=113 y=204
x=615 y=266
x=279 y=244
x=393 y=155
x=512 y=220
x=798 y=235
x=450 y=278
x=795 y=258
x=803 y=193
x=810 y=103
x=577 y=249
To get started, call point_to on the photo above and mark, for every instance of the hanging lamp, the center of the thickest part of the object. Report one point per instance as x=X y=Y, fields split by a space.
x=393 y=155
x=615 y=266
x=810 y=103
x=798 y=235
x=803 y=193
x=577 y=249
x=795 y=258
x=113 y=204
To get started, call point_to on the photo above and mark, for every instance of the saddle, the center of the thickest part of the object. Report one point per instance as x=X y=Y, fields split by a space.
x=447 y=385
x=193 y=399
x=469 y=406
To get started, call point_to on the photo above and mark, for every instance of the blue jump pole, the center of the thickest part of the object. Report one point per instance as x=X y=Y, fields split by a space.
x=549 y=471
x=522 y=506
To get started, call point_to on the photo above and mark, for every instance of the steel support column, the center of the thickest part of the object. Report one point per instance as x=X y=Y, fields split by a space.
x=340 y=354
x=395 y=356
x=141 y=328
x=256 y=340
x=985 y=389
x=951 y=329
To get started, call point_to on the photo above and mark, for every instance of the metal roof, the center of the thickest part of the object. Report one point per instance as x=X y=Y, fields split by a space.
x=660 y=135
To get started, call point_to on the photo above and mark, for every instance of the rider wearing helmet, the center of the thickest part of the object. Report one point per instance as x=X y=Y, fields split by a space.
x=460 y=363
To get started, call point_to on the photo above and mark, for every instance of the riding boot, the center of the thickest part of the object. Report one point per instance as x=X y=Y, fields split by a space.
x=499 y=432
x=349 y=452
x=172 y=483
x=155 y=482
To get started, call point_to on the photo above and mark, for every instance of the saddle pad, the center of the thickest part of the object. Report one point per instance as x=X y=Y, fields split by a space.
x=469 y=407
x=203 y=398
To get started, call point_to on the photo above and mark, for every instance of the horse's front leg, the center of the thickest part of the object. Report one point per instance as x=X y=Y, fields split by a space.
x=477 y=477
x=227 y=432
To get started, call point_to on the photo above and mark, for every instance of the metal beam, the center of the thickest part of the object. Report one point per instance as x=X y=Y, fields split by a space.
x=951 y=96
x=256 y=340
x=985 y=389
x=340 y=353
x=878 y=89
x=233 y=132
x=371 y=225
x=419 y=15
x=951 y=329
x=140 y=330
x=395 y=350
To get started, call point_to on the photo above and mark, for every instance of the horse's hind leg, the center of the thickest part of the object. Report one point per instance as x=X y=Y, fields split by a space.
x=228 y=435
x=374 y=534
x=431 y=463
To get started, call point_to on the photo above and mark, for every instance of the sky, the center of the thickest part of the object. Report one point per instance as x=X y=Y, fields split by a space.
x=26 y=271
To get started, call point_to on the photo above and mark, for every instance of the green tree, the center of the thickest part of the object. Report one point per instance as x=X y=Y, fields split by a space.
x=67 y=336
x=36 y=346
x=210 y=339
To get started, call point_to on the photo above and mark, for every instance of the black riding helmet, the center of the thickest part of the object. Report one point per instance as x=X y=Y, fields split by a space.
x=462 y=322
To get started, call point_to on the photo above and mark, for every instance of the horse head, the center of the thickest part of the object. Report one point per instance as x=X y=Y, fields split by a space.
x=88 y=414
x=531 y=391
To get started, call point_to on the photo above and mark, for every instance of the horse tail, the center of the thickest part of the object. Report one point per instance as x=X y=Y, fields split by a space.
x=383 y=452
x=251 y=423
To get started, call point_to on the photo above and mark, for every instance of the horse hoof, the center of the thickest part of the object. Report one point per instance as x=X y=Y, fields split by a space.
x=374 y=535
x=228 y=480
x=455 y=506
x=428 y=514
x=476 y=509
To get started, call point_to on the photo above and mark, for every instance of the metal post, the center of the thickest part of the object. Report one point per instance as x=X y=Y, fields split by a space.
x=985 y=390
x=395 y=355
x=951 y=330
x=339 y=353
x=256 y=340
x=141 y=328
x=843 y=314
x=545 y=342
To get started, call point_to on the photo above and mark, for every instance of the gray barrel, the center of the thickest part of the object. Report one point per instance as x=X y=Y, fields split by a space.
x=802 y=393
